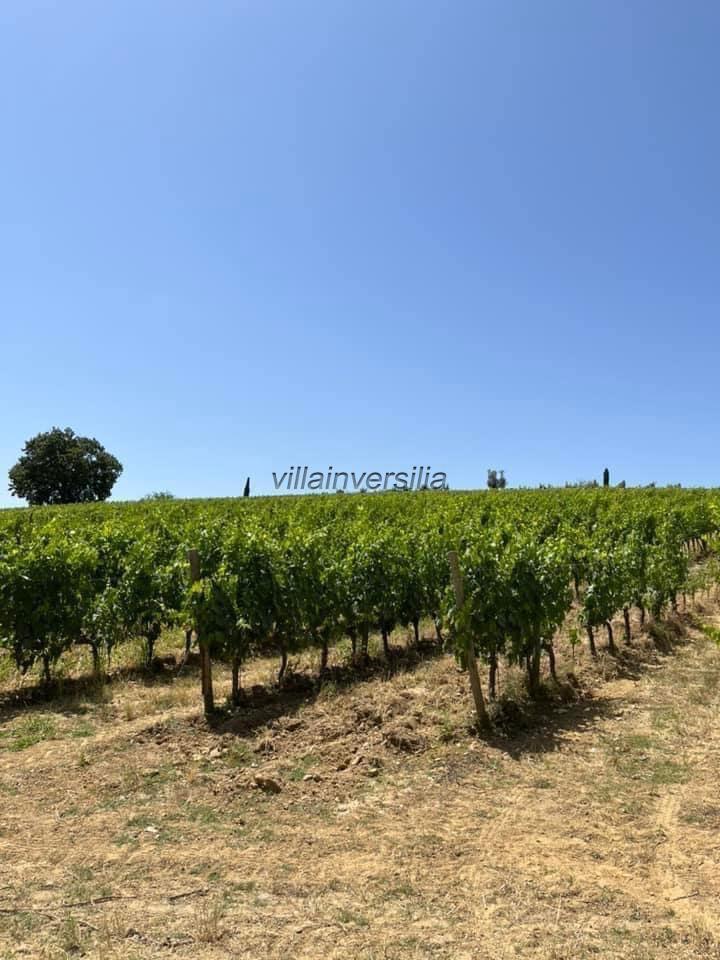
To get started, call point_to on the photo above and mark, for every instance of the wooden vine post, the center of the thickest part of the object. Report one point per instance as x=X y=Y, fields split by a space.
x=467 y=641
x=205 y=662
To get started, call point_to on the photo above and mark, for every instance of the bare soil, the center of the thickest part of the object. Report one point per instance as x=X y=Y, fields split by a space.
x=363 y=818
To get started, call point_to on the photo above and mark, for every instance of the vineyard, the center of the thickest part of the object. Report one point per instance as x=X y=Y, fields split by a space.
x=440 y=726
x=289 y=574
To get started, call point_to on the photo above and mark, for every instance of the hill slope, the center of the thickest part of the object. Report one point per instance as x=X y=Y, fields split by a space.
x=365 y=821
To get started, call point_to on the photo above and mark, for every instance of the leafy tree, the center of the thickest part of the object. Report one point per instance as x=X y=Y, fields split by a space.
x=60 y=467
x=495 y=480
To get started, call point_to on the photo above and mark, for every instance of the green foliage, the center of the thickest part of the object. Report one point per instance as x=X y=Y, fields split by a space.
x=234 y=604
x=712 y=633
x=149 y=589
x=60 y=467
x=516 y=594
x=42 y=585
x=495 y=481
x=304 y=572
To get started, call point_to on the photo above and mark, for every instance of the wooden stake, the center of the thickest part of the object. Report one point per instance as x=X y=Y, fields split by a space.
x=206 y=683
x=475 y=685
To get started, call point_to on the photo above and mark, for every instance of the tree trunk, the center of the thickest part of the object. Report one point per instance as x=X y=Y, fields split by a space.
x=438 y=631
x=235 y=694
x=283 y=661
x=533 y=671
x=469 y=646
x=206 y=684
x=416 y=630
x=591 y=638
x=492 y=679
x=548 y=648
x=642 y=615
x=324 y=652
x=352 y=633
x=626 y=618
x=46 y=669
x=364 y=641
x=611 y=638
x=386 y=645
x=96 y=659
x=149 y=651
x=186 y=656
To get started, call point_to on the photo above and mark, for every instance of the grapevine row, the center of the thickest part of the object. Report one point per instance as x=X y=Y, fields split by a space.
x=300 y=573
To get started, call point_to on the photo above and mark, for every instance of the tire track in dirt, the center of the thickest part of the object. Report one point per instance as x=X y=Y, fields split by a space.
x=678 y=892
x=678 y=883
x=536 y=846
x=681 y=866
x=553 y=852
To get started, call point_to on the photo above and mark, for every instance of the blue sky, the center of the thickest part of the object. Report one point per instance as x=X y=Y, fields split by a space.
x=240 y=236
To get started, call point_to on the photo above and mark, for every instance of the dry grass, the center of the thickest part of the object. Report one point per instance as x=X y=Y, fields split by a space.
x=131 y=829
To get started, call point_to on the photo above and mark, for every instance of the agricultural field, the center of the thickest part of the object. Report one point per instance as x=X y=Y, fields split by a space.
x=248 y=728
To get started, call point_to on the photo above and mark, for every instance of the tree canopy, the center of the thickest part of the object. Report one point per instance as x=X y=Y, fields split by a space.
x=61 y=467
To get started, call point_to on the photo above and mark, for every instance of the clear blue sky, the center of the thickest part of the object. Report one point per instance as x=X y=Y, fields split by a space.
x=240 y=236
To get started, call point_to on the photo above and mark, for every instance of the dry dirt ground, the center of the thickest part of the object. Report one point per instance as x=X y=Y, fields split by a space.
x=365 y=819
